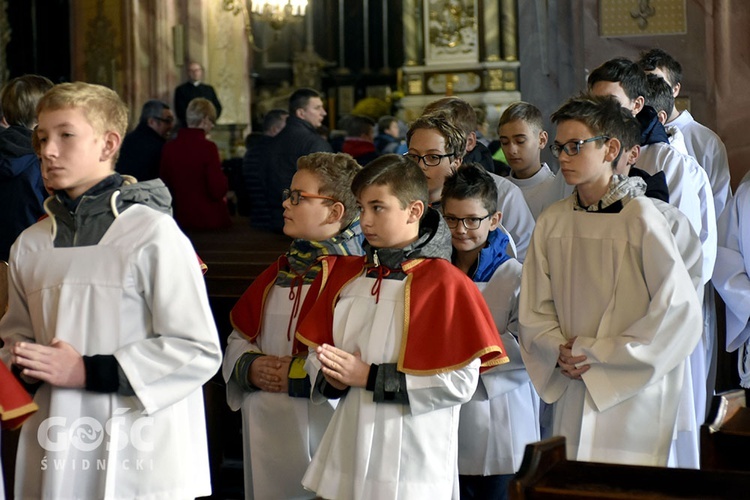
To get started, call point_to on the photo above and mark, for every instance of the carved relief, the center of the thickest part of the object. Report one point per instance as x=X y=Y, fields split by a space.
x=451 y=26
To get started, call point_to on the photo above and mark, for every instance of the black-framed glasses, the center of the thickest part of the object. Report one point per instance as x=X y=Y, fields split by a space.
x=431 y=160
x=164 y=120
x=572 y=148
x=468 y=222
x=295 y=195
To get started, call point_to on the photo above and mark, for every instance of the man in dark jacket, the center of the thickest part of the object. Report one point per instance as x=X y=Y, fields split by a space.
x=140 y=153
x=21 y=187
x=299 y=138
x=191 y=89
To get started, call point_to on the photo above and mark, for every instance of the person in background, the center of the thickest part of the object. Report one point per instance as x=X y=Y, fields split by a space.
x=256 y=167
x=192 y=89
x=360 y=132
x=299 y=138
x=388 y=139
x=191 y=169
x=140 y=154
x=21 y=185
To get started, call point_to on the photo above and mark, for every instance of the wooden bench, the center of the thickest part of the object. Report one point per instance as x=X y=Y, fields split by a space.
x=546 y=474
x=725 y=437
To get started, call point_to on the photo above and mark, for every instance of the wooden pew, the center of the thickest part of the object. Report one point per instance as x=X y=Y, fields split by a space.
x=546 y=474
x=725 y=437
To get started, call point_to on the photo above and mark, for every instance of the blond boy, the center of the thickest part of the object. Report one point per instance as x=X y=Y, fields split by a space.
x=109 y=317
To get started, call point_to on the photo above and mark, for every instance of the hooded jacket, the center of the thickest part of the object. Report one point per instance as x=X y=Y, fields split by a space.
x=21 y=187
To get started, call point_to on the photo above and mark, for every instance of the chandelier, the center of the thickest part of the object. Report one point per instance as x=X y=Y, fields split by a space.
x=277 y=13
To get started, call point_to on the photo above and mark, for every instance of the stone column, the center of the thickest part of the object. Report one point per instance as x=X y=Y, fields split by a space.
x=491 y=24
x=510 y=30
x=413 y=32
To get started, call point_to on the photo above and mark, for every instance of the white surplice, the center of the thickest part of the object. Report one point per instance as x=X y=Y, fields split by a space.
x=280 y=433
x=388 y=450
x=617 y=282
x=503 y=415
x=138 y=294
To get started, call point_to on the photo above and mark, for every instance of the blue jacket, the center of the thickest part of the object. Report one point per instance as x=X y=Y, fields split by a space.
x=21 y=188
x=491 y=256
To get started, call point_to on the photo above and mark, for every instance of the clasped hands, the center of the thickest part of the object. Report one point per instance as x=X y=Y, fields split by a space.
x=567 y=362
x=58 y=364
x=342 y=369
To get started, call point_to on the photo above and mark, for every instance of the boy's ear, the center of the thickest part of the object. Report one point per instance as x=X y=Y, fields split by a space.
x=612 y=147
x=676 y=89
x=543 y=138
x=336 y=213
x=495 y=220
x=638 y=104
x=662 y=116
x=110 y=144
x=416 y=210
x=633 y=155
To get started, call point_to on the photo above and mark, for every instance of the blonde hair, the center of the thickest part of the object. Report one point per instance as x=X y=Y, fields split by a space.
x=101 y=106
x=198 y=109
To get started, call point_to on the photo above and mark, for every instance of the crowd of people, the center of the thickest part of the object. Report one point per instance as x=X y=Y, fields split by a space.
x=433 y=314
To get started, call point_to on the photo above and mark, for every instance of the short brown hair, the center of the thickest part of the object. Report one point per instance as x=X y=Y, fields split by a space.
x=461 y=113
x=198 y=109
x=335 y=172
x=402 y=176
x=19 y=98
x=524 y=111
x=455 y=139
x=101 y=106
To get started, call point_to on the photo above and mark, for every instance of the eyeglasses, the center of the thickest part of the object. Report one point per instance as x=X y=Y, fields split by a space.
x=468 y=222
x=432 y=160
x=572 y=148
x=294 y=196
x=164 y=120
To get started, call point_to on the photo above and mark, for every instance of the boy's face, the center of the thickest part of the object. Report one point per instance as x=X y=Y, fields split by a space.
x=522 y=144
x=469 y=240
x=615 y=90
x=593 y=163
x=384 y=223
x=312 y=219
x=427 y=141
x=74 y=156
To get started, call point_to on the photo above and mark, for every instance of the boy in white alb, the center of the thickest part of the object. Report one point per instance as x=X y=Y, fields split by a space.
x=608 y=312
x=108 y=314
x=522 y=138
x=399 y=335
x=702 y=143
x=264 y=366
x=732 y=275
x=503 y=415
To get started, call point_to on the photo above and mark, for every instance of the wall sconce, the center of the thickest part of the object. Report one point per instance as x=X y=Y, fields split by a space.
x=277 y=13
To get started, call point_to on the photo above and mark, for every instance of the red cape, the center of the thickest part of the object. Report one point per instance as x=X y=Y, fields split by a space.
x=247 y=314
x=15 y=403
x=447 y=323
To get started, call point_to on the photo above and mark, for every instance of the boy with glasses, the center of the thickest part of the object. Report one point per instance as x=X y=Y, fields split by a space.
x=503 y=415
x=517 y=217
x=264 y=365
x=437 y=146
x=608 y=311
x=400 y=335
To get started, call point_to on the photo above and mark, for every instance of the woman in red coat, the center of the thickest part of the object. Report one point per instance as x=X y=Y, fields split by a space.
x=191 y=169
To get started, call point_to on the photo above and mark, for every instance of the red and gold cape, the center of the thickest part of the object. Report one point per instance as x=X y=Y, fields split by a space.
x=447 y=323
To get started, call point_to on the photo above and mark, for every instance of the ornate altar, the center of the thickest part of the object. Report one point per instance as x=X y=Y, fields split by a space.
x=466 y=48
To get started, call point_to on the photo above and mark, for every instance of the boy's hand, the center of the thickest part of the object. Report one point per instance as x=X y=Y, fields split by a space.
x=58 y=364
x=568 y=362
x=269 y=373
x=342 y=369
